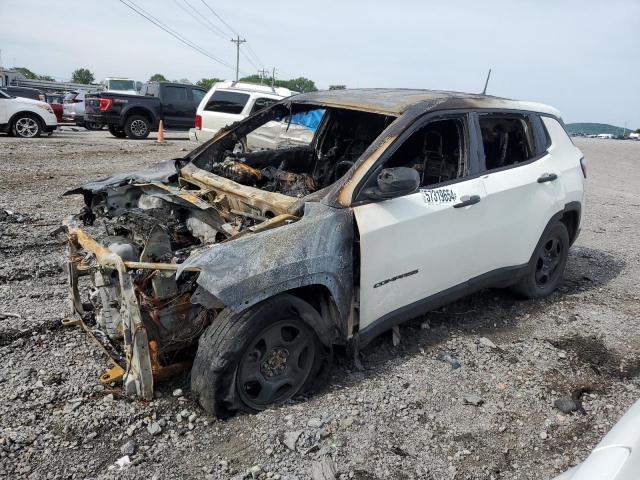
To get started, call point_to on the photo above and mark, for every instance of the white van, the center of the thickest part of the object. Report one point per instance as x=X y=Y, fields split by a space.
x=228 y=102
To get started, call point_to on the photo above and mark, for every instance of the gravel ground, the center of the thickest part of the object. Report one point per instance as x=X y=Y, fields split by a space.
x=407 y=415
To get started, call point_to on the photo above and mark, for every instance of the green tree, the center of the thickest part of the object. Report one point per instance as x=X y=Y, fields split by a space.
x=82 y=75
x=299 y=84
x=48 y=78
x=157 y=77
x=27 y=73
x=207 y=82
x=256 y=79
x=638 y=130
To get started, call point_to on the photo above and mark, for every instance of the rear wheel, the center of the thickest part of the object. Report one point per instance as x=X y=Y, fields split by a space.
x=93 y=126
x=26 y=125
x=117 y=132
x=137 y=127
x=258 y=358
x=546 y=266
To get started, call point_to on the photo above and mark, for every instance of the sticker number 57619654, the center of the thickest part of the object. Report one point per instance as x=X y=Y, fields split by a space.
x=437 y=196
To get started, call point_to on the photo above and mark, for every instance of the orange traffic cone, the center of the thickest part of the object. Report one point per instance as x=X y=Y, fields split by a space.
x=161 y=132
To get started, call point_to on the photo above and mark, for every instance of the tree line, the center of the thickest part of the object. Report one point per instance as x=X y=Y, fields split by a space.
x=86 y=76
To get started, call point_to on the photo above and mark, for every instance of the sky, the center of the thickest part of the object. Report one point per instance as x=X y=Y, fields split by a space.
x=581 y=56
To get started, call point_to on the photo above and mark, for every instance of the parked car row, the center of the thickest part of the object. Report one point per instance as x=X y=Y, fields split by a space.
x=179 y=106
x=67 y=107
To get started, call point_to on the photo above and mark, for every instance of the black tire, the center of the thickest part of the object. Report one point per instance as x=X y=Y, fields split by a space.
x=137 y=127
x=26 y=125
x=547 y=263
x=243 y=360
x=117 y=132
x=93 y=126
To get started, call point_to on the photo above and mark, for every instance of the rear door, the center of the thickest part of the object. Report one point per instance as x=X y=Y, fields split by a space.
x=522 y=183
x=423 y=244
x=176 y=106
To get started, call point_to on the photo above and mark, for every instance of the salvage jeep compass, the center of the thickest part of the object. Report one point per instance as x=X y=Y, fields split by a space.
x=259 y=262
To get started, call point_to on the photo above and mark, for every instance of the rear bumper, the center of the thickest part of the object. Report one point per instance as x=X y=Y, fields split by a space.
x=102 y=119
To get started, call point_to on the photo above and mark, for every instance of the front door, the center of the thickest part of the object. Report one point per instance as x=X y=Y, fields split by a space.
x=426 y=243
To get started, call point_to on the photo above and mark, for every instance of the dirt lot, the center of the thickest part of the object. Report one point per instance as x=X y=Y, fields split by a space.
x=407 y=415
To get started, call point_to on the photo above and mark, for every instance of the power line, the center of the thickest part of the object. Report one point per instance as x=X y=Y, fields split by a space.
x=250 y=51
x=200 y=20
x=139 y=10
x=221 y=19
x=214 y=27
x=253 y=64
x=253 y=53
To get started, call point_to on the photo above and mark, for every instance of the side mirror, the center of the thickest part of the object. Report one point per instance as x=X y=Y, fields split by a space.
x=394 y=182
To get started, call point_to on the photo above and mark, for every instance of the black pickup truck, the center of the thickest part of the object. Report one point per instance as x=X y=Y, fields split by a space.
x=135 y=116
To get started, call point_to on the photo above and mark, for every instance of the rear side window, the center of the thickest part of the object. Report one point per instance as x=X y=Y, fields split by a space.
x=507 y=139
x=227 y=102
x=261 y=103
x=198 y=95
x=174 y=93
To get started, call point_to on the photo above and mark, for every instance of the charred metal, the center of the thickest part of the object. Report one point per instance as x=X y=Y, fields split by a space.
x=230 y=225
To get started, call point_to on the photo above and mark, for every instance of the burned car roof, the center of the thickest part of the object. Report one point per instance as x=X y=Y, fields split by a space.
x=397 y=101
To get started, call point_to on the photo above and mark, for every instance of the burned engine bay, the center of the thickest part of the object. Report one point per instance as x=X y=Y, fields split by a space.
x=154 y=220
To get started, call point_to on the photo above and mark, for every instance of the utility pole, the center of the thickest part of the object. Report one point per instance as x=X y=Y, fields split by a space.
x=273 y=77
x=238 y=41
x=263 y=73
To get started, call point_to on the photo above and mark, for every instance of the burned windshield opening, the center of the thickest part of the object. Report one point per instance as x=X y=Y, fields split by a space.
x=295 y=151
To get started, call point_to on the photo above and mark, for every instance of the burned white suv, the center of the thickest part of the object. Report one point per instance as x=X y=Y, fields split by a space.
x=252 y=265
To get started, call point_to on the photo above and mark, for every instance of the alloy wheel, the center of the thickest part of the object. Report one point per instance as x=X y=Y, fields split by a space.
x=27 y=127
x=139 y=128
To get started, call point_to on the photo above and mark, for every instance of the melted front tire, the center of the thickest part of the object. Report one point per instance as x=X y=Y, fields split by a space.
x=261 y=357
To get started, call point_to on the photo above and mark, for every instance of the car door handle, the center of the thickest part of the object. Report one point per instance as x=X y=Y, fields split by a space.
x=467 y=200
x=547 y=177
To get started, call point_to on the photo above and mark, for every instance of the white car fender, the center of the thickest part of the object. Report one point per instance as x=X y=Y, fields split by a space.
x=617 y=456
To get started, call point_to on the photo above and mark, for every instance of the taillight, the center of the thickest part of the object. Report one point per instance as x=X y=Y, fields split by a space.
x=105 y=104
x=198 y=122
x=583 y=166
